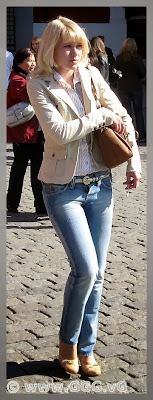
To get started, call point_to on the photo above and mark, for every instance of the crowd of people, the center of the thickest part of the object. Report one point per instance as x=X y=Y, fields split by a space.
x=74 y=186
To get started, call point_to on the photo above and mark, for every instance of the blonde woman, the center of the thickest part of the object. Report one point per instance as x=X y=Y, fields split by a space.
x=77 y=186
x=130 y=85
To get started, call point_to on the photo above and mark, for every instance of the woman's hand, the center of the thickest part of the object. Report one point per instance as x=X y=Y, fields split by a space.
x=118 y=125
x=133 y=179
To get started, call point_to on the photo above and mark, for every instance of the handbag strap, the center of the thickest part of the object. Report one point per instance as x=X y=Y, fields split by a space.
x=98 y=104
x=94 y=91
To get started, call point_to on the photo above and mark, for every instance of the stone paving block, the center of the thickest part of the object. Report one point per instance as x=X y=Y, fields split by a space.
x=135 y=358
x=47 y=353
x=136 y=371
x=49 y=341
x=139 y=384
x=18 y=309
x=17 y=326
x=44 y=331
x=113 y=375
x=49 y=321
x=19 y=346
x=33 y=298
x=111 y=340
x=109 y=320
x=141 y=345
x=9 y=315
x=119 y=328
x=139 y=334
x=29 y=317
x=16 y=357
x=138 y=323
x=112 y=363
x=110 y=351
x=18 y=336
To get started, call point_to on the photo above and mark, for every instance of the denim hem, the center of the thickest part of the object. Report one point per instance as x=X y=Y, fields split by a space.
x=85 y=354
x=67 y=342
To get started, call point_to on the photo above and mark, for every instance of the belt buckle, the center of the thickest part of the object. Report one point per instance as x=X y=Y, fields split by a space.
x=86 y=180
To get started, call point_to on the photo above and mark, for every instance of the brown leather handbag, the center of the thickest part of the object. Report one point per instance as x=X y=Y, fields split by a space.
x=115 y=149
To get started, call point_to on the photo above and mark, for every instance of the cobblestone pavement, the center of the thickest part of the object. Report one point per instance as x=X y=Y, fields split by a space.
x=37 y=268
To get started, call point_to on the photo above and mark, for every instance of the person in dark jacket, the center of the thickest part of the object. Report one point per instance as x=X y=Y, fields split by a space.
x=27 y=141
x=109 y=52
x=98 y=56
x=130 y=85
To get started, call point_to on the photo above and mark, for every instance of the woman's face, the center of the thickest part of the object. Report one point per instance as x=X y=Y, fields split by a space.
x=28 y=64
x=35 y=45
x=67 y=55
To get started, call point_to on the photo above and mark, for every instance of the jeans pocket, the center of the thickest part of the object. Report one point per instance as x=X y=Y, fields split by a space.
x=107 y=182
x=52 y=189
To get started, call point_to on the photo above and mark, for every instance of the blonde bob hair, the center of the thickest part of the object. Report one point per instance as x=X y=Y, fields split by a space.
x=58 y=28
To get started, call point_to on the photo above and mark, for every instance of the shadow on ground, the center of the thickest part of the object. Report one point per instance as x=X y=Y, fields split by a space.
x=44 y=368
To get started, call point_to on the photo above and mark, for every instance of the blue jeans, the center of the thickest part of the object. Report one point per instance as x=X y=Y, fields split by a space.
x=82 y=218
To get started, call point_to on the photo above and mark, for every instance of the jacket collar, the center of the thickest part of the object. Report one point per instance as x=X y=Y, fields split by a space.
x=57 y=92
x=85 y=77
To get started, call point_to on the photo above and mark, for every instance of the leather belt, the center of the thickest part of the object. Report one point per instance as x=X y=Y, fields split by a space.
x=86 y=180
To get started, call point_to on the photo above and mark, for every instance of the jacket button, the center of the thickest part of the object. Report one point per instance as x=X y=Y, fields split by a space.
x=53 y=155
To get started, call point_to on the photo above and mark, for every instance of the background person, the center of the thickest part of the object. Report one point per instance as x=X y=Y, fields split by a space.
x=35 y=42
x=98 y=57
x=130 y=85
x=9 y=64
x=111 y=58
x=77 y=186
x=27 y=141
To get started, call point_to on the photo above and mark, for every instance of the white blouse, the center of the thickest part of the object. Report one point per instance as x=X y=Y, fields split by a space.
x=84 y=162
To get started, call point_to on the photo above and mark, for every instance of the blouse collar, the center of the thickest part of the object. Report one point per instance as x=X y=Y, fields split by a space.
x=62 y=82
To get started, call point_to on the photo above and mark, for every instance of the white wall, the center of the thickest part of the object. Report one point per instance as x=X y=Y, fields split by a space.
x=114 y=32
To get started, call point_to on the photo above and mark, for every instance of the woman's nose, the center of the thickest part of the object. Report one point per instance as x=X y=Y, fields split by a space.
x=74 y=50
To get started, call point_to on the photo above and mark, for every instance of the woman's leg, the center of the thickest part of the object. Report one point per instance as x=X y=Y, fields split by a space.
x=99 y=215
x=137 y=105
x=126 y=101
x=36 y=156
x=17 y=173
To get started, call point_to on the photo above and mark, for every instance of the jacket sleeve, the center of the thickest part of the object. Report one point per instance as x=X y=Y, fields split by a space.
x=18 y=88
x=63 y=130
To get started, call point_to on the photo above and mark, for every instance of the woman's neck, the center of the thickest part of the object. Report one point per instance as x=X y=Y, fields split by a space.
x=67 y=76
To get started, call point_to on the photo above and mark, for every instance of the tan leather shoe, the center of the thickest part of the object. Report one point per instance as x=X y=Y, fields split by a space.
x=71 y=366
x=90 y=369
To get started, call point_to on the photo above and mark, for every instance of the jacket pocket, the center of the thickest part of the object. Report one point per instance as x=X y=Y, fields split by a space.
x=59 y=154
x=54 y=162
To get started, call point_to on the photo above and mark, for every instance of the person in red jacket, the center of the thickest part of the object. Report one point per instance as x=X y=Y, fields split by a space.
x=27 y=141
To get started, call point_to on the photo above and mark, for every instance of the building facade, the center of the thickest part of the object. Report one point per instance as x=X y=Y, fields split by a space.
x=114 y=23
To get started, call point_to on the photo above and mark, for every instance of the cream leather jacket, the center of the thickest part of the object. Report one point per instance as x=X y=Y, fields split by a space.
x=63 y=127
